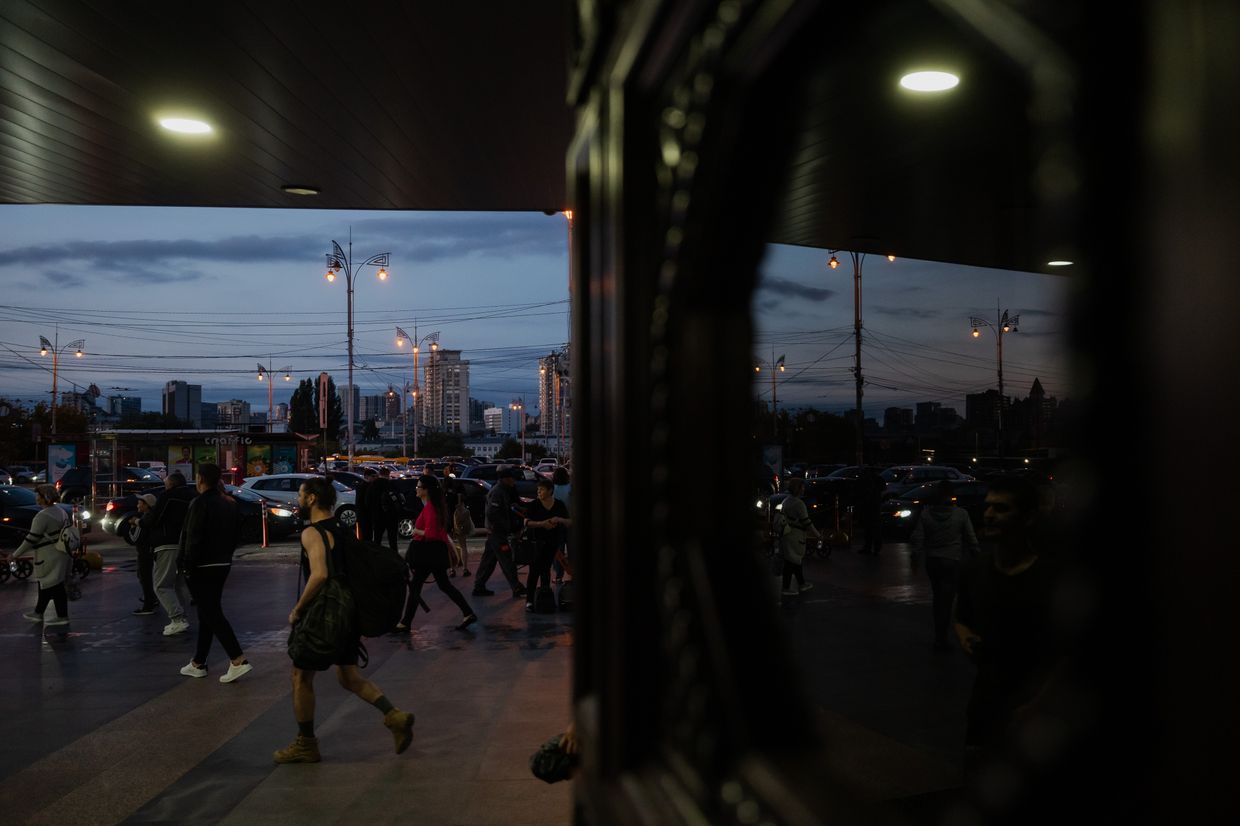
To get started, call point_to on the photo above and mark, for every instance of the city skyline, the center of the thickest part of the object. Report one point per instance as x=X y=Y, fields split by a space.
x=198 y=295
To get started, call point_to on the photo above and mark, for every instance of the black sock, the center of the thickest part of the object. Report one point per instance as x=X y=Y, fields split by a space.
x=383 y=704
x=305 y=729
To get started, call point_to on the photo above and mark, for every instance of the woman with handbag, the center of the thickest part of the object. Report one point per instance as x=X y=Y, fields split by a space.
x=51 y=562
x=429 y=554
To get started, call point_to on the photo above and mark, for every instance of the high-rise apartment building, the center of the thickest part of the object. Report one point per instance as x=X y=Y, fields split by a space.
x=124 y=405
x=446 y=386
x=233 y=413
x=184 y=401
x=345 y=395
x=502 y=420
x=553 y=394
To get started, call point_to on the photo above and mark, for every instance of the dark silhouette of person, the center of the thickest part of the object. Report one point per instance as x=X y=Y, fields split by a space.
x=1003 y=619
x=870 y=487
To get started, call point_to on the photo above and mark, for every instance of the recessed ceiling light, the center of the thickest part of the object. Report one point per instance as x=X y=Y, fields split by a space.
x=186 y=126
x=1059 y=263
x=299 y=189
x=928 y=81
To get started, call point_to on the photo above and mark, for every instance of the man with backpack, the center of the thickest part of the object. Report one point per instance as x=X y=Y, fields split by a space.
x=325 y=554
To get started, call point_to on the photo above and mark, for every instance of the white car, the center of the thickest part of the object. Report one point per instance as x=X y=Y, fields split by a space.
x=283 y=487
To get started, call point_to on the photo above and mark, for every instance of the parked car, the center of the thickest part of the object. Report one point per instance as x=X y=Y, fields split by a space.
x=348 y=478
x=527 y=477
x=282 y=519
x=819 y=471
x=75 y=484
x=899 y=514
x=22 y=475
x=903 y=478
x=6 y=478
x=158 y=468
x=475 y=491
x=819 y=499
x=18 y=507
x=283 y=487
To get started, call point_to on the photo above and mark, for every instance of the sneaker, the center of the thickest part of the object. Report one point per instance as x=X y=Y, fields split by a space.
x=400 y=723
x=57 y=621
x=483 y=592
x=191 y=670
x=33 y=617
x=237 y=671
x=529 y=606
x=806 y=586
x=301 y=750
x=176 y=627
x=144 y=611
x=468 y=621
x=789 y=592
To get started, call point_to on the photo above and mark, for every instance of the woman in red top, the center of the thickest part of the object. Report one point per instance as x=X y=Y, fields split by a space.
x=428 y=553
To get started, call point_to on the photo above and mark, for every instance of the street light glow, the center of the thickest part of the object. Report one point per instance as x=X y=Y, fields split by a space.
x=929 y=81
x=1059 y=263
x=330 y=276
x=834 y=262
x=186 y=126
x=383 y=274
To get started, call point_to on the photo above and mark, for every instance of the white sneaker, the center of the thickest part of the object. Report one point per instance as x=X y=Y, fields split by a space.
x=235 y=671
x=192 y=670
x=805 y=586
x=56 y=621
x=176 y=627
x=33 y=617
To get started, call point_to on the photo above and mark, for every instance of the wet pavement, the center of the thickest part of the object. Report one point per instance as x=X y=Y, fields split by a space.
x=102 y=728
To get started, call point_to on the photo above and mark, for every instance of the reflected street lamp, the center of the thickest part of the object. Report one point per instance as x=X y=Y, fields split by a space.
x=776 y=366
x=54 y=347
x=337 y=260
x=1002 y=325
x=520 y=405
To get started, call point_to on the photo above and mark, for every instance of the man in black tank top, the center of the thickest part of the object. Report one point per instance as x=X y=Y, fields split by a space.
x=317 y=498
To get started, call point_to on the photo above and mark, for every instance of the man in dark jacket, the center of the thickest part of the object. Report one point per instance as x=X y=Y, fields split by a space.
x=361 y=501
x=385 y=508
x=501 y=523
x=167 y=520
x=212 y=528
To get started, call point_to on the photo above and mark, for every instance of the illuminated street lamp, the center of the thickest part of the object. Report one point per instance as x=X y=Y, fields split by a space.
x=401 y=338
x=776 y=366
x=858 y=260
x=337 y=260
x=264 y=373
x=1002 y=325
x=55 y=349
x=520 y=405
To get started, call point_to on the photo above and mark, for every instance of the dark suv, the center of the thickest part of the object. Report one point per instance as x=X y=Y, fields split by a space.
x=75 y=485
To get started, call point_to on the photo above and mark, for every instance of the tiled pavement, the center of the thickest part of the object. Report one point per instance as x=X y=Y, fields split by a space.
x=101 y=727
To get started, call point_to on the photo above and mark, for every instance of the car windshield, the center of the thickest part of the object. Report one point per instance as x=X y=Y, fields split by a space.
x=17 y=496
x=891 y=474
x=244 y=493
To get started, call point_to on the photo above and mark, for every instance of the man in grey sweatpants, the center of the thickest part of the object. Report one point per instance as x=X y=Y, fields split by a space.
x=167 y=521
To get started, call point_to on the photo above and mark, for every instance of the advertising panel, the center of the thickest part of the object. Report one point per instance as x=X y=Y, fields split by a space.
x=59 y=459
x=206 y=454
x=181 y=459
x=284 y=459
x=258 y=460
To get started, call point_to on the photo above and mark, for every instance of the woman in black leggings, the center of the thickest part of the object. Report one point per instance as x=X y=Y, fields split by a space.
x=429 y=555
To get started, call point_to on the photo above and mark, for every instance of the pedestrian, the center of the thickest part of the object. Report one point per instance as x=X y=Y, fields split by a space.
x=463 y=529
x=563 y=493
x=212 y=528
x=795 y=525
x=501 y=524
x=140 y=531
x=386 y=508
x=1004 y=620
x=429 y=553
x=166 y=525
x=545 y=521
x=317 y=498
x=944 y=533
x=452 y=499
x=361 y=503
x=51 y=563
x=869 y=502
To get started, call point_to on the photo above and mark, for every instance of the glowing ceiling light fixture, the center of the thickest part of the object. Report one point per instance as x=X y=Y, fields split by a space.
x=1059 y=263
x=186 y=126
x=300 y=189
x=833 y=263
x=929 y=81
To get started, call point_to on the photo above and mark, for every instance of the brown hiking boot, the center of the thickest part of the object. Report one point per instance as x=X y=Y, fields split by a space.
x=400 y=723
x=301 y=750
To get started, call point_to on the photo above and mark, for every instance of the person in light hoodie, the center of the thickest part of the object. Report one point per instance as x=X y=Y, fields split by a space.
x=944 y=535
x=51 y=564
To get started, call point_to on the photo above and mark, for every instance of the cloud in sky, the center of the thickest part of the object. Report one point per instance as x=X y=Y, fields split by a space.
x=785 y=288
x=918 y=313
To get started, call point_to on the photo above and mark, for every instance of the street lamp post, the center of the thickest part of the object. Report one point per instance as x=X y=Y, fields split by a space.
x=776 y=366
x=401 y=338
x=337 y=260
x=520 y=405
x=264 y=373
x=1003 y=324
x=858 y=260
x=405 y=391
x=55 y=349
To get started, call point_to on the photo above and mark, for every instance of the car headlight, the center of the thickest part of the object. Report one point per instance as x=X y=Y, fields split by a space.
x=780 y=506
x=759 y=504
x=281 y=512
x=904 y=514
x=84 y=514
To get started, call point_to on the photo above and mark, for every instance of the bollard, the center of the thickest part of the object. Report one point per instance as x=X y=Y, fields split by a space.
x=263 y=506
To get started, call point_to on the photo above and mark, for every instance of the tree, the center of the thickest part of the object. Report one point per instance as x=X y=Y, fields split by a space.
x=303 y=412
x=510 y=449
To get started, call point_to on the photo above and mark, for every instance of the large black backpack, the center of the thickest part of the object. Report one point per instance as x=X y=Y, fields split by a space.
x=379 y=580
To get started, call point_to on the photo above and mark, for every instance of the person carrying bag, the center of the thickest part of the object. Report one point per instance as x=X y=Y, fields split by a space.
x=51 y=558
